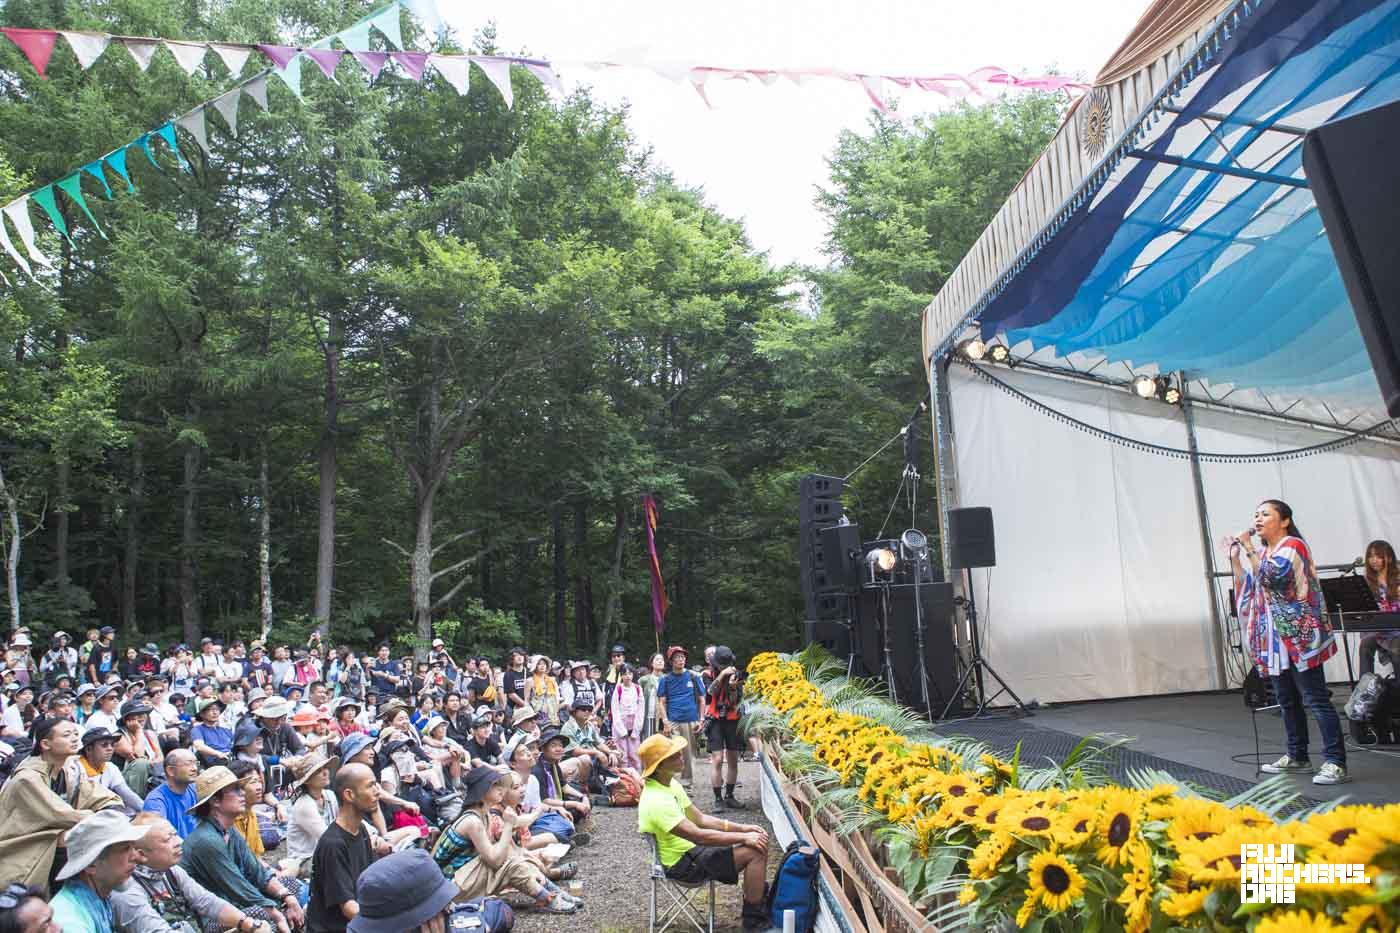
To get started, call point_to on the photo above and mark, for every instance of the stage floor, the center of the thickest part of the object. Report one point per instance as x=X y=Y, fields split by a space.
x=1193 y=737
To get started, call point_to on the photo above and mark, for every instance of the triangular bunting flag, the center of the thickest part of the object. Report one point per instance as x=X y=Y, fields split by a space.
x=117 y=161
x=292 y=75
x=498 y=70
x=193 y=123
x=44 y=197
x=167 y=133
x=141 y=50
x=37 y=45
x=387 y=23
x=95 y=170
x=190 y=55
x=257 y=89
x=14 y=253
x=87 y=46
x=73 y=187
x=326 y=60
x=455 y=70
x=18 y=212
x=875 y=89
x=234 y=56
x=373 y=62
x=547 y=76
x=144 y=142
x=427 y=11
x=227 y=105
x=356 y=38
x=411 y=62
x=279 y=54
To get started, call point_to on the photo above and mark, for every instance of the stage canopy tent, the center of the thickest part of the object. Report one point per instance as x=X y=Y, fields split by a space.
x=1169 y=228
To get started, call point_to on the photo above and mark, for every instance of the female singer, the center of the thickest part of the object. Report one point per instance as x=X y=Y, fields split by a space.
x=1289 y=638
x=1383 y=577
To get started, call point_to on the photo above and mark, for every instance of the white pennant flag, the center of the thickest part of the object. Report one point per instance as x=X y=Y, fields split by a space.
x=193 y=122
x=189 y=54
x=498 y=70
x=257 y=89
x=14 y=253
x=227 y=105
x=455 y=70
x=18 y=212
x=141 y=50
x=87 y=46
x=548 y=77
x=234 y=56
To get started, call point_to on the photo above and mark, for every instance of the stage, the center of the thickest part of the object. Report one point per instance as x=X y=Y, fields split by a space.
x=1191 y=736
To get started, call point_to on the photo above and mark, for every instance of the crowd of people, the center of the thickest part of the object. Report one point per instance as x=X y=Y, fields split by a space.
x=229 y=788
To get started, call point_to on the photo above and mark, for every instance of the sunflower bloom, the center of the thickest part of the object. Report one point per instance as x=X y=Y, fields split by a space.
x=1297 y=921
x=1055 y=881
x=1119 y=819
x=987 y=856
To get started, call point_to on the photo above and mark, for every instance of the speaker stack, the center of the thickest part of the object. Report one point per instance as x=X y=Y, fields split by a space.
x=826 y=602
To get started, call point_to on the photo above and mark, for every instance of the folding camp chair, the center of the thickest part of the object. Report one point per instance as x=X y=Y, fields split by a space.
x=682 y=903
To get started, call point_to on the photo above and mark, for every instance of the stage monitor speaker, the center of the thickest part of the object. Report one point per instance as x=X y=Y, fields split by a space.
x=840 y=548
x=940 y=651
x=971 y=539
x=1351 y=170
x=833 y=636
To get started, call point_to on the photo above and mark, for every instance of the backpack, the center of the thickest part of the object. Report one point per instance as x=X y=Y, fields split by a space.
x=626 y=790
x=483 y=914
x=794 y=887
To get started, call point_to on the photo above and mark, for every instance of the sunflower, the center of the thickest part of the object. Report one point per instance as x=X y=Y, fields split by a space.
x=1136 y=897
x=1367 y=917
x=989 y=813
x=1076 y=826
x=1218 y=857
x=1193 y=818
x=1183 y=904
x=967 y=895
x=1297 y=921
x=985 y=859
x=1120 y=817
x=1347 y=835
x=1054 y=881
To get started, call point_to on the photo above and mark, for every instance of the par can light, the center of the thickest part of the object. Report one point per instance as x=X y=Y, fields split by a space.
x=1144 y=387
x=972 y=349
x=882 y=559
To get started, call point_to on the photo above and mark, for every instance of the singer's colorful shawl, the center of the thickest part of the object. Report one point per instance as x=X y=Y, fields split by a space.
x=1281 y=608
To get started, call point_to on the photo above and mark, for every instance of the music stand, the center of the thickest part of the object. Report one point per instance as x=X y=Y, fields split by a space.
x=1346 y=594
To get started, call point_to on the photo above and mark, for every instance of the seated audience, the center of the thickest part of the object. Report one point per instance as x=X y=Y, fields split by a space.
x=343 y=852
x=175 y=798
x=403 y=893
x=211 y=740
x=99 y=744
x=101 y=858
x=24 y=910
x=313 y=809
x=555 y=789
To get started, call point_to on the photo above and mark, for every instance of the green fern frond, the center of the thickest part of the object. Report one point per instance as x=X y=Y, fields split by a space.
x=1270 y=796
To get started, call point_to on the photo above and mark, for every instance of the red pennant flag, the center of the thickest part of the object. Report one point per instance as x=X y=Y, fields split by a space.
x=325 y=59
x=373 y=62
x=279 y=54
x=659 y=603
x=36 y=44
x=412 y=63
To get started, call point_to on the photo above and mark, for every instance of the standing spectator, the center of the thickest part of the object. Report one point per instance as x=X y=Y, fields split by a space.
x=231 y=664
x=179 y=667
x=59 y=659
x=578 y=687
x=649 y=681
x=343 y=852
x=257 y=670
x=19 y=660
x=351 y=679
x=101 y=858
x=218 y=857
x=174 y=799
x=679 y=696
x=85 y=652
x=303 y=669
x=162 y=898
x=96 y=758
x=45 y=797
x=542 y=693
x=130 y=666
x=102 y=659
x=281 y=666
x=627 y=707
x=19 y=712
x=384 y=673
x=24 y=910
x=513 y=679
x=488 y=693
x=207 y=664
x=722 y=725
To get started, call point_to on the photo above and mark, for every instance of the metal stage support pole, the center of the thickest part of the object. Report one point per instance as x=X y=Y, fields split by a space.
x=945 y=469
x=1207 y=547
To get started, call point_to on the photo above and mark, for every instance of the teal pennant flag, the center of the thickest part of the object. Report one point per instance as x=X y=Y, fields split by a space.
x=356 y=38
x=387 y=23
x=95 y=170
x=117 y=161
x=44 y=197
x=292 y=75
x=144 y=141
x=167 y=133
x=73 y=187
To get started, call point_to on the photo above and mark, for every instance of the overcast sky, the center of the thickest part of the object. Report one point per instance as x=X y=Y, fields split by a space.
x=760 y=153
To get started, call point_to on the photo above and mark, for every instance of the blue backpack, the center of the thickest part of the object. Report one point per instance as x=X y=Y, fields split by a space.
x=794 y=887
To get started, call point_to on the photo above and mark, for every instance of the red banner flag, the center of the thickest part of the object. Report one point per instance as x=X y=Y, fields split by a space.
x=36 y=44
x=659 y=604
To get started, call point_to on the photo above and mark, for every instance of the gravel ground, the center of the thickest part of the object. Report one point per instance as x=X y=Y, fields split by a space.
x=613 y=869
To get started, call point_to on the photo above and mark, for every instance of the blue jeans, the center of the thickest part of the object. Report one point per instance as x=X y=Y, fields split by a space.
x=1296 y=689
x=553 y=823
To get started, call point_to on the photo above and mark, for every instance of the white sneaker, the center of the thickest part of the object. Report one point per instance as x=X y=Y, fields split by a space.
x=1286 y=765
x=1331 y=773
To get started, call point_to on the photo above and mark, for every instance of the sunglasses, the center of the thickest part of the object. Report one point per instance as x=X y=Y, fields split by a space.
x=14 y=895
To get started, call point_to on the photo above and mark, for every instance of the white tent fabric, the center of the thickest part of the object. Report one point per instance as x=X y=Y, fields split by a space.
x=1100 y=589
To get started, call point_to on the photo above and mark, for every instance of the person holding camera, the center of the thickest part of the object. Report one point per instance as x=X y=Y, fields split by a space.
x=722 y=726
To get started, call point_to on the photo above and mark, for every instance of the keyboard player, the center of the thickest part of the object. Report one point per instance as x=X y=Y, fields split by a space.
x=1383 y=577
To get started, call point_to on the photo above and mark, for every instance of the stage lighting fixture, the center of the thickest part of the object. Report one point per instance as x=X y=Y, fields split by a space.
x=882 y=559
x=1172 y=395
x=1144 y=387
x=973 y=349
x=999 y=353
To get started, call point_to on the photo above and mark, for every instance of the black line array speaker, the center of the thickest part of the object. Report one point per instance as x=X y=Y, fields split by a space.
x=840 y=547
x=833 y=636
x=819 y=507
x=1351 y=169
x=940 y=651
x=971 y=539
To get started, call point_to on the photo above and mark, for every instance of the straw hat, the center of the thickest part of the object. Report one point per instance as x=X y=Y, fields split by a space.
x=87 y=841
x=209 y=783
x=308 y=766
x=523 y=714
x=657 y=749
x=274 y=708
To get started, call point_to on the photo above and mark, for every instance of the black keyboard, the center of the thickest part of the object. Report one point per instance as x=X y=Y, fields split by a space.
x=1369 y=621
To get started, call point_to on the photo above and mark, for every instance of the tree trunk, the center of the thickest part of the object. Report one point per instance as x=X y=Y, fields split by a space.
x=421 y=565
x=264 y=544
x=610 y=611
x=561 y=576
x=583 y=585
x=63 y=474
x=131 y=557
x=325 y=548
x=189 y=540
x=12 y=552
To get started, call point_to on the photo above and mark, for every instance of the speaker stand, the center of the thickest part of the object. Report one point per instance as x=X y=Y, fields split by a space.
x=976 y=667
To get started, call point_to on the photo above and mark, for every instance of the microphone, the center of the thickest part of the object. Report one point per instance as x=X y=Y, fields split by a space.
x=1359 y=562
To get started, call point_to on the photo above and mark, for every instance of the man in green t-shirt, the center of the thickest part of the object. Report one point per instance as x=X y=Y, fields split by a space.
x=693 y=846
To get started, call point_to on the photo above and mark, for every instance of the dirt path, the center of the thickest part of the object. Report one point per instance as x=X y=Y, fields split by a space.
x=613 y=869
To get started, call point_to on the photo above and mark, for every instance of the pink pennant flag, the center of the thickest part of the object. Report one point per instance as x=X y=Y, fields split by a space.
x=875 y=90
x=36 y=44
x=326 y=60
x=279 y=54
x=373 y=62
x=498 y=71
x=412 y=63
